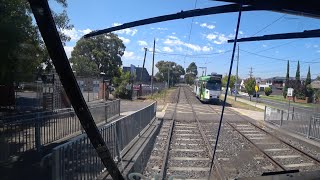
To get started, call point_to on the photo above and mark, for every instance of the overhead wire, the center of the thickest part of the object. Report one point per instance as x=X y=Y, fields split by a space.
x=269 y=25
x=195 y=6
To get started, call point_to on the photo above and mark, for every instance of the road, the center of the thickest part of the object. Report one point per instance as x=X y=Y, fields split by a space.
x=282 y=105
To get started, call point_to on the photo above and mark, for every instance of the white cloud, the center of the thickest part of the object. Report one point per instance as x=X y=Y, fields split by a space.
x=209 y=26
x=211 y=36
x=240 y=32
x=128 y=55
x=75 y=34
x=220 y=51
x=221 y=39
x=206 y=49
x=163 y=29
x=173 y=33
x=125 y=40
x=68 y=50
x=176 y=42
x=264 y=45
x=142 y=43
x=167 y=49
x=128 y=31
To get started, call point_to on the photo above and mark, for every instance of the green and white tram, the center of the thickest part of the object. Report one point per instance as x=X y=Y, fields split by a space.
x=208 y=88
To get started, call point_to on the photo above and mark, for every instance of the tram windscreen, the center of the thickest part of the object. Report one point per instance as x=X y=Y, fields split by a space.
x=213 y=85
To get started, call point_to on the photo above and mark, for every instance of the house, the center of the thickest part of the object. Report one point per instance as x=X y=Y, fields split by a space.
x=145 y=75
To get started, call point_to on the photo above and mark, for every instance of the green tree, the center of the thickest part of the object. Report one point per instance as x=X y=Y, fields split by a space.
x=191 y=73
x=288 y=70
x=192 y=69
x=298 y=72
x=285 y=88
x=308 y=79
x=189 y=78
x=85 y=67
x=318 y=78
x=175 y=71
x=104 y=51
x=121 y=83
x=267 y=91
x=22 y=49
x=233 y=79
x=249 y=85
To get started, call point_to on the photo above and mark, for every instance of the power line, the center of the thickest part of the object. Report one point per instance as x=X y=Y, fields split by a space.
x=190 y=55
x=269 y=24
x=184 y=61
x=278 y=59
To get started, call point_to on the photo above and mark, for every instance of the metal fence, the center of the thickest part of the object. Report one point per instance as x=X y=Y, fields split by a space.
x=77 y=159
x=307 y=124
x=32 y=131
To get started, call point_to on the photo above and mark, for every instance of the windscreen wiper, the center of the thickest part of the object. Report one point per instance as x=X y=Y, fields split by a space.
x=50 y=35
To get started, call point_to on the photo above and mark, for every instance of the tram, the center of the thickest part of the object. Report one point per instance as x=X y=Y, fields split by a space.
x=208 y=88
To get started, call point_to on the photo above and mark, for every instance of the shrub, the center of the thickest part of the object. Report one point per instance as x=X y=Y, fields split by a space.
x=267 y=91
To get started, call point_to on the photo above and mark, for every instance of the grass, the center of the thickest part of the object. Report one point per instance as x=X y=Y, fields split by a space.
x=241 y=105
x=280 y=98
x=162 y=96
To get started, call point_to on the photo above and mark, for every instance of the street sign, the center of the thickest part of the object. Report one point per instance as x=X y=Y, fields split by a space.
x=256 y=88
x=290 y=92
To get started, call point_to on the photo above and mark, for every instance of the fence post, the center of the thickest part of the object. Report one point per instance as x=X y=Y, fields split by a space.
x=265 y=111
x=55 y=165
x=309 y=126
x=281 y=118
x=292 y=113
x=119 y=106
x=118 y=142
x=37 y=133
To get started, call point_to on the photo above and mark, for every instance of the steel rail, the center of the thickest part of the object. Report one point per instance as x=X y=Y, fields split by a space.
x=163 y=171
x=257 y=147
x=309 y=156
x=220 y=171
x=305 y=154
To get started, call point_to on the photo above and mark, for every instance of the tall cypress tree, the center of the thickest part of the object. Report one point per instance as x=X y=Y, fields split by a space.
x=308 y=80
x=298 y=72
x=287 y=76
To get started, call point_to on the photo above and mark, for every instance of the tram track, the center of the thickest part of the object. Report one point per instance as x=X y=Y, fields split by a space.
x=187 y=154
x=281 y=154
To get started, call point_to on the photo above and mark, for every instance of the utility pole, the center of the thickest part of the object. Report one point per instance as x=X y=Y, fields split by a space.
x=236 y=84
x=250 y=72
x=204 y=70
x=168 y=75
x=144 y=61
x=154 y=47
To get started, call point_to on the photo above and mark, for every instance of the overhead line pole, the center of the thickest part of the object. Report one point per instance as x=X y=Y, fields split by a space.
x=154 y=47
x=237 y=84
x=144 y=60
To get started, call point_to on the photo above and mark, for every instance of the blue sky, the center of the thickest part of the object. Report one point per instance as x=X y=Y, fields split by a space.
x=206 y=44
